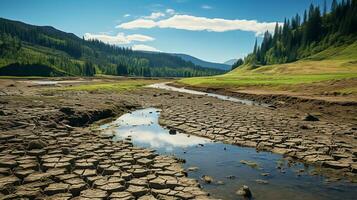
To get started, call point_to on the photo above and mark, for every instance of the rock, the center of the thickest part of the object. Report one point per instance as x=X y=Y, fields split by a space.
x=158 y=183
x=61 y=196
x=36 y=144
x=172 y=132
x=8 y=181
x=147 y=197
x=30 y=193
x=220 y=183
x=231 y=177
x=192 y=169
x=245 y=192
x=335 y=164
x=66 y=150
x=260 y=181
x=8 y=163
x=137 y=191
x=265 y=174
x=207 y=179
x=94 y=193
x=38 y=176
x=56 y=188
x=121 y=195
x=249 y=163
x=112 y=187
x=311 y=118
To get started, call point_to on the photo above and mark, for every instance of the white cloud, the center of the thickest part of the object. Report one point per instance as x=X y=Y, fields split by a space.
x=170 y=11
x=207 y=7
x=142 y=47
x=193 y=23
x=155 y=15
x=126 y=15
x=118 y=39
x=138 y=23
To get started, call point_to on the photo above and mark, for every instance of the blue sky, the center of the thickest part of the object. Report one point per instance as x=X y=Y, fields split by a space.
x=213 y=30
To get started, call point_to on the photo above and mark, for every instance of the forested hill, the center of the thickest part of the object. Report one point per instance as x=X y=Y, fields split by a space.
x=203 y=63
x=301 y=37
x=45 y=51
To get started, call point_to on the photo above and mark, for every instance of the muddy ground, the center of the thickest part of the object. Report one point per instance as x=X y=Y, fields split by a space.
x=49 y=151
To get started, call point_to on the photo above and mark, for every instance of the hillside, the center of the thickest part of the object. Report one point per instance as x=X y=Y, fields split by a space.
x=45 y=51
x=203 y=63
x=304 y=36
x=330 y=72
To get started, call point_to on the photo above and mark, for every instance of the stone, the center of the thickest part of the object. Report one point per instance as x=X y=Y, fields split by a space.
x=147 y=197
x=261 y=181
x=8 y=163
x=122 y=196
x=36 y=144
x=245 y=192
x=112 y=187
x=335 y=164
x=172 y=132
x=311 y=118
x=137 y=191
x=94 y=193
x=158 y=183
x=38 y=176
x=192 y=169
x=56 y=188
x=251 y=164
x=30 y=193
x=207 y=179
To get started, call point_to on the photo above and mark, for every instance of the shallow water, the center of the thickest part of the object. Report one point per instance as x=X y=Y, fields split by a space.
x=218 y=96
x=220 y=160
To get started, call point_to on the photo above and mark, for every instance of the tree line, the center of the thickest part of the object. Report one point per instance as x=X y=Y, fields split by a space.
x=24 y=44
x=302 y=36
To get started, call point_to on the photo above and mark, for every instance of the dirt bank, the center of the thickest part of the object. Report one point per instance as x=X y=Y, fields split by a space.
x=325 y=107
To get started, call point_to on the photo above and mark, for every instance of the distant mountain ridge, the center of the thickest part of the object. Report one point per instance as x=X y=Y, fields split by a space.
x=47 y=51
x=203 y=63
x=230 y=62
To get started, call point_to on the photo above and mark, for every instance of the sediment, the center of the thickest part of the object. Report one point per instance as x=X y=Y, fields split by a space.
x=49 y=150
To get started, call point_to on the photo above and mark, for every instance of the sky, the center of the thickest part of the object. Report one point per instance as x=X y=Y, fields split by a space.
x=212 y=30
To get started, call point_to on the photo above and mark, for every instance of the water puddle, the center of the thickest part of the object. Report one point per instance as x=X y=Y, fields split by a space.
x=164 y=86
x=268 y=175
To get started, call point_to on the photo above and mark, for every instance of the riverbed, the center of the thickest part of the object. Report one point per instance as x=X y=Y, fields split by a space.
x=269 y=176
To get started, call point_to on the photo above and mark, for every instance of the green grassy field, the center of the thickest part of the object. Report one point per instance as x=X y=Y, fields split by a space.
x=338 y=63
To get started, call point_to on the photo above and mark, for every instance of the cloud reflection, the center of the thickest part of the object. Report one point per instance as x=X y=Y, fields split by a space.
x=143 y=127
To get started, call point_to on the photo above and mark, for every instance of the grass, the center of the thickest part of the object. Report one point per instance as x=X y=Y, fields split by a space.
x=244 y=80
x=117 y=86
x=336 y=63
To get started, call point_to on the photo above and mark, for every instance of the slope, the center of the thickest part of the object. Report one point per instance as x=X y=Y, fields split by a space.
x=332 y=71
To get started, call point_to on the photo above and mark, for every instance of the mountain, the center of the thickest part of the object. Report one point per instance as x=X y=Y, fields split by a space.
x=203 y=63
x=29 y=50
x=230 y=62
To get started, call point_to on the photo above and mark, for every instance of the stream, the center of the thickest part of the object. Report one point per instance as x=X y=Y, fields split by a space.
x=164 y=86
x=269 y=176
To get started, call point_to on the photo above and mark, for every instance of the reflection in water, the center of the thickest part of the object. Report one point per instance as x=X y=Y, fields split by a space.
x=272 y=178
x=218 y=96
x=143 y=128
